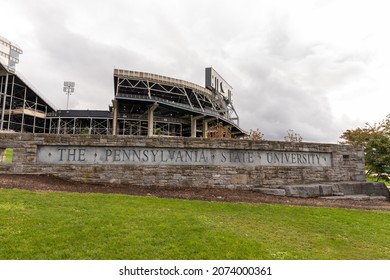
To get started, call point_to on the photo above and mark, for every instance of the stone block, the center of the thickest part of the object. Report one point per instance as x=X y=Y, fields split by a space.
x=325 y=190
x=379 y=197
x=239 y=179
x=303 y=190
x=366 y=188
x=278 y=192
x=347 y=189
x=376 y=189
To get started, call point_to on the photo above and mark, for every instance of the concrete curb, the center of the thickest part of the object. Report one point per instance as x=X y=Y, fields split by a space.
x=342 y=190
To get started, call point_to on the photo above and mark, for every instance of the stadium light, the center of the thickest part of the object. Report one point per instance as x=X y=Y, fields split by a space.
x=68 y=89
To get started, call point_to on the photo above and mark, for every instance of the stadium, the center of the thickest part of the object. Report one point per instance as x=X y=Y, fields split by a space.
x=144 y=104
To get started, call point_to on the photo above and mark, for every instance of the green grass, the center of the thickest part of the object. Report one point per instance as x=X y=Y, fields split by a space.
x=47 y=225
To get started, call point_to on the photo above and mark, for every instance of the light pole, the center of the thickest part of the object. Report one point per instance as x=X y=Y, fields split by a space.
x=68 y=89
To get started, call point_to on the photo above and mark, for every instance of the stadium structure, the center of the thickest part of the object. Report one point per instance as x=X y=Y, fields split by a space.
x=144 y=104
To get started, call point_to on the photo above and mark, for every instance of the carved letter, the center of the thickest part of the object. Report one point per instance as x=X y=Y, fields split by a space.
x=117 y=155
x=61 y=151
x=137 y=155
x=276 y=158
x=146 y=156
x=154 y=154
x=293 y=158
x=125 y=155
x=202 y=157
x=304 y=158
x=72 y=155
x=269 y=157
x=318 y=158
x=250 y=157
x=223 y=157
x=108 y=153
x=162 y=156
x=171 y=155
x=81 y=155
x=299 y=156
x=188 y=156
x=179 y=156
x=287 y=157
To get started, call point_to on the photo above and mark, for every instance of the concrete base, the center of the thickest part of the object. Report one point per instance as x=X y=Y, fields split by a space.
x=359 y=197
x=181 y=161
x=342 y=190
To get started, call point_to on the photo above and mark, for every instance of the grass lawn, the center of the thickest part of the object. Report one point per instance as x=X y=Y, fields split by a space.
x=49 y=225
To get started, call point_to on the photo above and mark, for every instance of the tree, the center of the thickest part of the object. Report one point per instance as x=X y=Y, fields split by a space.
x=360 y=136
x=220 y=131
x=377 y=154
x=255 y=135
x=376 y=142
x=85 y=131
x=292 y=136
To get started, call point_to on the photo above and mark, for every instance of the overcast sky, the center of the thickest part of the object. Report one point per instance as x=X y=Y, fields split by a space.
x=318 y=67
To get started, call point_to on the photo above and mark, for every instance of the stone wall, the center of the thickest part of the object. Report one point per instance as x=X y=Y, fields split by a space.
x=180 y=162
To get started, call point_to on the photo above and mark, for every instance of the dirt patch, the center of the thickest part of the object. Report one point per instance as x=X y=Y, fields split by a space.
x=49 y=183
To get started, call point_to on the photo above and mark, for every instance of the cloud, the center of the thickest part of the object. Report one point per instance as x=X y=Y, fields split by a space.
x=285 y=84
x=60 y=54
x=288 y=64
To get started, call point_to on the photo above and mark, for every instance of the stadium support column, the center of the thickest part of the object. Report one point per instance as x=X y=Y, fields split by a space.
x=194 y=125
x=206 y=126
x=151 y=119
x=4 y=101
x=115 y=117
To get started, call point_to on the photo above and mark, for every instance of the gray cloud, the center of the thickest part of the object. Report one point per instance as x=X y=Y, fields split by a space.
x=280 y=81
x=284 y=84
